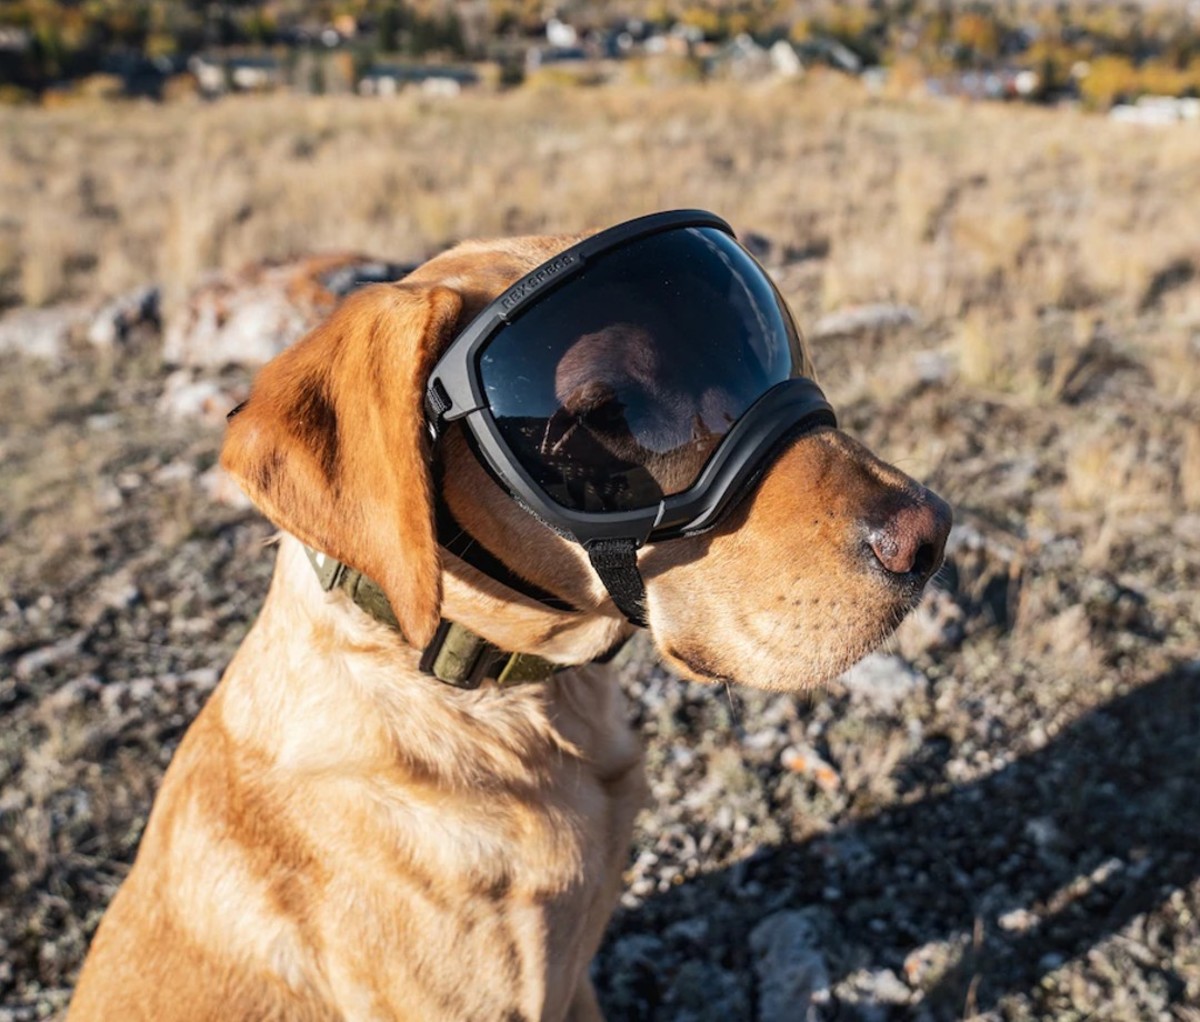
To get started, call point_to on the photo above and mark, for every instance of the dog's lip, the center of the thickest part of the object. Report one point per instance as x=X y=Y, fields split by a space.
x=698 y=664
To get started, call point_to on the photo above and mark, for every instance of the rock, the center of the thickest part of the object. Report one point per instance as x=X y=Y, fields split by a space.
x=114 y=320
x=21 y=1013
x=803 y=759
x=882 y=682
x=113 y=591
x=933 y=366
x=792 y=974
x=219 y=486
x=174 y=472
x=188 y=396
x=873 y=994
x=703 y=992
x=28 y=664
x=634 y=968
x=1050 y=961
x=938 y=624
x=42 y=333
x=1043 y=832
x=857 y=320
x=758 y=245
x=249 y=317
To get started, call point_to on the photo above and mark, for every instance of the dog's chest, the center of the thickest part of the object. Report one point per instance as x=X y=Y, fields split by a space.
x=499 y=895
x=456 y=853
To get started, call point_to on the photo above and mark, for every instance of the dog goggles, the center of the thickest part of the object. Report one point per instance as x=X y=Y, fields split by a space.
x=634 y=386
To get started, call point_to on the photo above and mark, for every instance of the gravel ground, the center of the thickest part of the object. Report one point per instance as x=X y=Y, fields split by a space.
x=996 y=817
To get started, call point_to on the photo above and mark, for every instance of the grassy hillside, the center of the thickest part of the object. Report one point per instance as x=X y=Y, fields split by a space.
x=984 y=216
x=996 y=820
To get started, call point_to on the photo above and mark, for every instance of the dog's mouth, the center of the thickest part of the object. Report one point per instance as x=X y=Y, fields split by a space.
x=697 y=664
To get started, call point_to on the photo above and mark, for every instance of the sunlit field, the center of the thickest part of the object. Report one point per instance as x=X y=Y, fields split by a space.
x=997 y=820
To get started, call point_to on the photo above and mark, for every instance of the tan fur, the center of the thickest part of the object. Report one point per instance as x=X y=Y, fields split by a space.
x=342 y=837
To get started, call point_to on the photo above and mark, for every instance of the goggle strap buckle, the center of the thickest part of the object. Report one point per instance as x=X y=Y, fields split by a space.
x=437 y=404
x=615 y=561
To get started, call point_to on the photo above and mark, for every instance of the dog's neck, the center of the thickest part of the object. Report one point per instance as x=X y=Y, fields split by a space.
x=331 y=687
x=457 y=655
x=507 y=619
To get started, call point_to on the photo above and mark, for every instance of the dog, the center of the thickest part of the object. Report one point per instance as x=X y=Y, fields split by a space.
x=342 y=836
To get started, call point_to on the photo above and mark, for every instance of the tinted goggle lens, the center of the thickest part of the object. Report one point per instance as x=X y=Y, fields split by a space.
x=613 y=391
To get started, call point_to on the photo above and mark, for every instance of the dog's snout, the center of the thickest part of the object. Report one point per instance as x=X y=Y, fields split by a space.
x=910 y=542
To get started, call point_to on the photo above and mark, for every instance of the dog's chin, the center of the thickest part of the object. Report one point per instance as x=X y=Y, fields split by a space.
x=793 y=669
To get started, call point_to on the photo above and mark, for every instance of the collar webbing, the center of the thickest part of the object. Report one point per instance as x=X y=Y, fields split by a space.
x=457 y=655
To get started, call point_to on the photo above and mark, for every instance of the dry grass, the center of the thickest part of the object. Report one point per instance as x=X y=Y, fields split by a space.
x=947 y=207
x=1052 y=258
x=1045 y=251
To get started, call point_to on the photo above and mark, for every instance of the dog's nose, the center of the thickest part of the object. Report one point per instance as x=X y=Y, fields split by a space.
x=911 y=541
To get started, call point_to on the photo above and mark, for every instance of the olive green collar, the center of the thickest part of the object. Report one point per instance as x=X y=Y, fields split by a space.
x=457 y=655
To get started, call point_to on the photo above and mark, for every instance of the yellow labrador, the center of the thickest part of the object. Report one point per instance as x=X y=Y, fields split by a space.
x=341 y=836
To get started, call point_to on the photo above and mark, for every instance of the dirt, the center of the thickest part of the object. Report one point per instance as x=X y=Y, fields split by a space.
x=997 y=817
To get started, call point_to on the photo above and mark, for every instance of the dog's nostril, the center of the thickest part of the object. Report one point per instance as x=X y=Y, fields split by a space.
x=925 y=561
x=911 y=541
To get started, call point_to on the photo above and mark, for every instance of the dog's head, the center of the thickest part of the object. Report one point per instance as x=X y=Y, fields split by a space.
x=811 y=569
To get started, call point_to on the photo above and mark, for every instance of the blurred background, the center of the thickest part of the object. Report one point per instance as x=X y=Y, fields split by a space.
x=987 y=219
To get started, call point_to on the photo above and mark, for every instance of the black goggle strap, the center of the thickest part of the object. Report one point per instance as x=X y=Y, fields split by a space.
x=453 y=537
x=615 y=561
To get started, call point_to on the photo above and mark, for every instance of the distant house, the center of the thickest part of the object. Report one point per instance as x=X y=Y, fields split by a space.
x=142 y=77
x=1006 y=83
x=785 y=61
x=679 y=42
x=1157 y=111
x=831 y=53
x=740 y=59
x=216 y=75
x=560 y=35
x=209 y=74
x=631 y=36
x=743 y=59
x=385 y=80
x=14 y=40
x=543 y=56
x=346 y=26
x=254 y=74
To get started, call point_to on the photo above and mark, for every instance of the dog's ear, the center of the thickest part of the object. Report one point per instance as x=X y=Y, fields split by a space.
x=332 y=446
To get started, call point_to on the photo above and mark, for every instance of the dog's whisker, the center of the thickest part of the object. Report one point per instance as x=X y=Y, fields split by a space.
x=733 y=709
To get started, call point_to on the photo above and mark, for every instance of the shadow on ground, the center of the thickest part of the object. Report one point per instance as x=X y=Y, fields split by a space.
x=1032 y=866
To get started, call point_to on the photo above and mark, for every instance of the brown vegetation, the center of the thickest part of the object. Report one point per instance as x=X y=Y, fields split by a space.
x=1037 y=222
x=1001 y=824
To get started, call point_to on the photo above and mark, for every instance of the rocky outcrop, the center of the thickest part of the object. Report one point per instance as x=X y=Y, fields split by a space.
x=247 y=318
